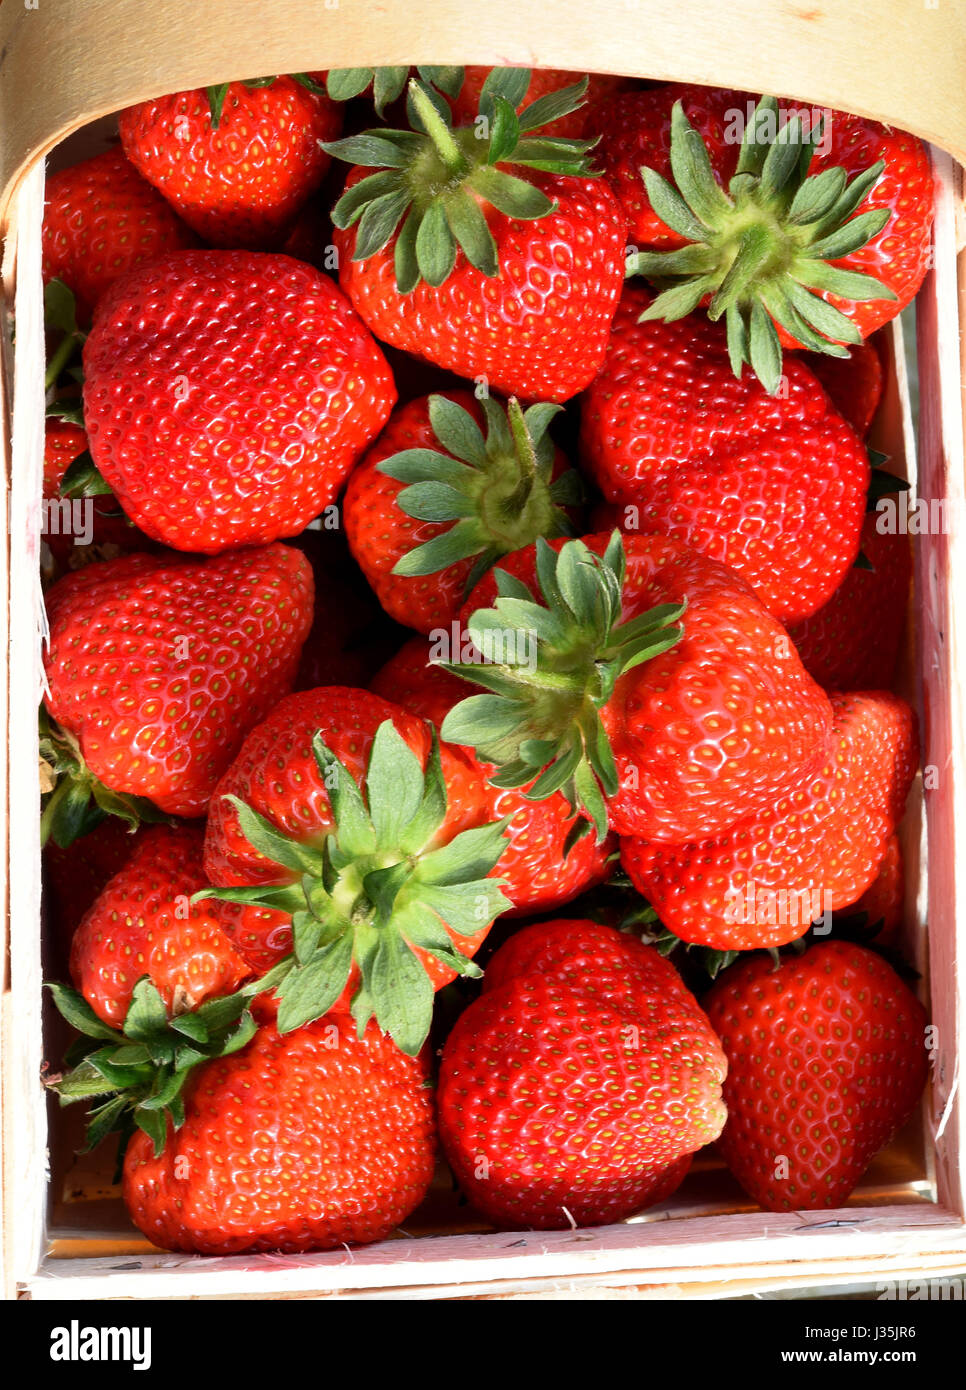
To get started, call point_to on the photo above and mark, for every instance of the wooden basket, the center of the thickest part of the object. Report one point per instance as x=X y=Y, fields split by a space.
x=908 y=1217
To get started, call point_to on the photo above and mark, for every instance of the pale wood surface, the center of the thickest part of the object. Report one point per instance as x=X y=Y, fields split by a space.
x=65 y=63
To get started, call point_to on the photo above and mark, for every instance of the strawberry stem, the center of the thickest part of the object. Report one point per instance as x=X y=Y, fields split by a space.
x=437 y=130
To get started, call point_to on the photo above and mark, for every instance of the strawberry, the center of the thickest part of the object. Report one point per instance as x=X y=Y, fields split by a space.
x=434 y=504
x=826 y=1059
x=571 y=1097
x=510 y=277
x=854 y=640
x=74 y=876
x=853 y=383
x=541 y=867
x=101 y=219
x=385 y=893
x=227 y=396
x=883 y=901
x=143 y=924
x=812 y=232
x=815 y=850
x=158 y=667
x=303 y=1141
x=544 y=82
x=773 y=486
x=78 y=528
x=236 y=161
x=650 y=686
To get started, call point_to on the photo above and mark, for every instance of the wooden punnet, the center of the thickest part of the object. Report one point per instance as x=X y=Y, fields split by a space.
x=63 y=65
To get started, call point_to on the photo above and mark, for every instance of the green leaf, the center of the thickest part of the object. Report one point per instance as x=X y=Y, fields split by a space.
x=272 y=843
x=387 y=86
x=104 y=1120
x=509 y=83
x=378 y=222
x=354 y=200
x=504 y=131
x=471 y=855
x=457 y=431
x=848 y=238
x=146 y=1015
x=551 y=107
x=765 y=351
x=354 y=828
x=692 y=171
x=435 y=246
x=472 y=234
x=342 y=84
x=419 y=926
x=388 y=149
x=590 y=798
x=79 y=1014
x=512 y=196
x=401 y=993
x=394 y=783
x=192 y=1025
x=83 y=480
x=154 y=1125
x=310 y=990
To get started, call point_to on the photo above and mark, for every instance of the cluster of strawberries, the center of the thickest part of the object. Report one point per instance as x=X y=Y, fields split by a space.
x=644 y=629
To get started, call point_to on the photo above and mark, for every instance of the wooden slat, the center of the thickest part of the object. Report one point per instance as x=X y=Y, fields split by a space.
x=99 y=55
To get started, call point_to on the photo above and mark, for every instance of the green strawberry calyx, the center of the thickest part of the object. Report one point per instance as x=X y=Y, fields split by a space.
x=378 y=885
x=60 y=321
x=135 y=1076
x=388 y=84
x=434 y=182
x=551 y=667
x=499 y=491
x=74 y=801
x=762 y=252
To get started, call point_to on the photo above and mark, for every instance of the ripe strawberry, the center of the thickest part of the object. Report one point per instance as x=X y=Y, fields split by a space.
x=854 y=383
x=158 y=667
x=74 y=876
x=104 y=531
x=853 y=642
x=826 y=1059
x=227 y=396
x=564 y=1095
x=512 y=277
x=100 y=219
x=384 y=896
x=544 y=82
x=237 y=161
x=884 y=900
x=540 y=867
x=765 y=229
x=433 y=504
x=143 y=924
x=652 y=687
x=773 y=486
x=815 y=850
x=303 y=1141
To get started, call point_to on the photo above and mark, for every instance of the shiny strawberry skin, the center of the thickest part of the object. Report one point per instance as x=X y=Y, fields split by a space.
x=884 y=900
x=854 y=640
x=306 y=1141
x=160 y=667
x=276 y=775
x=636 y=132
x=773 y=486
x=111 y=532
x=820 y=845
x=243 y=183
x=227 y=396
x=539 y=876
x=537 y=330
x=101 y=218
x=854 y=383
x=556 y=1102
x=142 y=923
x=380 y=533
x=582 y=124
x=826 y=1059
x=722 y=723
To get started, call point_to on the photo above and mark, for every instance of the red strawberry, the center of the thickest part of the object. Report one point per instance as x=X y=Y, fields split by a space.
x=385 y=895
x=564 y=1096
x=157 y=668
x=100 y=219
x=544 y=82
x=826 y=1059
x=510 y=277
x=853 y=642
x=539 y=867
x=655 y=689
x=78 y=529
x=770 y=242
x=884 y=900
x=854 y=383
x=227 y=396
x=237 y=161
x=815 y=850
x=76 y=875
x=774 y=486
x=142 y=923
x=434 y=503
x=306 y=1141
